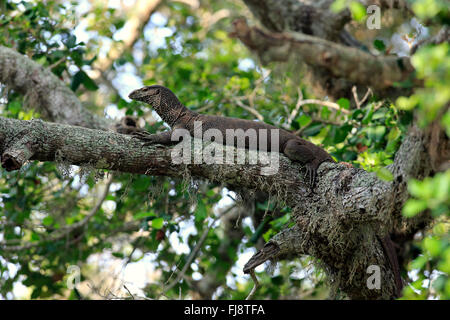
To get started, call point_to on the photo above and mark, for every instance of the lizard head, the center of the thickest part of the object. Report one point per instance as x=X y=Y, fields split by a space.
x=148 y=94
x=163 y=101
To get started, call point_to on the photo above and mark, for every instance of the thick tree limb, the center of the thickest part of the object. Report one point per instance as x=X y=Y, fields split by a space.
x=42 y=89
x=307 y=17
x=315 y=18
x=340 y=61
x=340 y=223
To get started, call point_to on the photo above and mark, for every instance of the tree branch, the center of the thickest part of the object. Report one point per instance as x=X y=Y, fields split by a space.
x=44 y=91
x=340 y=61
x=307 y=17
x=339 y=223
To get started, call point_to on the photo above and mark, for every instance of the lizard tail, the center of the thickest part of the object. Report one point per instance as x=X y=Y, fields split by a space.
x=389 y=250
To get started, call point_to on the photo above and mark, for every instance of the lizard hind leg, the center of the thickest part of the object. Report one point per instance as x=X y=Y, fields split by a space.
x=311 y=174
x=299 y=152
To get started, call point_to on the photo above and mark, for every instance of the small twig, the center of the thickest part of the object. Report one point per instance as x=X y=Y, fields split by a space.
x=297 y=107
x=205 y=107
x=255 y=287
x=329 y=104
x=369 y=91
x=258 y=84
x=378 y=105
x=249 y=109
x=57 y=63
x=355 y=96
x=128 y=292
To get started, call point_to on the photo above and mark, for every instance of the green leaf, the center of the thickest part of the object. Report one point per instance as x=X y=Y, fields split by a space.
x=341 y=133
x=376 y=133
x=35 y=237
x=380 y=114
x=433 y=246
x=89 y=83
x=379 y=45
x=413 y=207
x=313 y=130
x=439 y=283
x=76 y=81
x=394 y=134
x=14 y=107
x=268 y=235
x=338 y=6
x=419 y=262
x=368 y=115
x=255 y=236
x=82 y=78
x=201 y=212
x=343 y=103
x=118 y=255
x=47 y=221
x=384 y=174
x=157 y=223
x=358 y=11
x=304 y=120
x=42 y=60
x=71 y=41
x=142 y=215
x=280 y=222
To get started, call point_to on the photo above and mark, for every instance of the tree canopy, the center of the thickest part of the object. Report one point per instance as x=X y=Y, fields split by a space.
x=86 y=212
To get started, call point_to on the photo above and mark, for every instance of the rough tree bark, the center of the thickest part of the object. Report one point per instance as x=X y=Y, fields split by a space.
x=25 y=76
x=307 y=31
x=44 y=91
x=339 y=224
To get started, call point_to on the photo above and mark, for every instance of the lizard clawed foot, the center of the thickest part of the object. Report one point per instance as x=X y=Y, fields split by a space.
x=144 y=136
x=310 y=176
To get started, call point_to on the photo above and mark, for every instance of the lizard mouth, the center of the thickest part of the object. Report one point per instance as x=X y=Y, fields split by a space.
x=135 y=95
x=143 y=93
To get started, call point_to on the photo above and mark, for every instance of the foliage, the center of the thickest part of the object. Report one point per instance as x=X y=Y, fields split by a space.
x=432 y=64
x=148 y=219
x=433 y=263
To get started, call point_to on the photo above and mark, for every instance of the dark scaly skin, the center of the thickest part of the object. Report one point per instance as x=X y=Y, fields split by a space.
x=389 y=250
x=174 y=113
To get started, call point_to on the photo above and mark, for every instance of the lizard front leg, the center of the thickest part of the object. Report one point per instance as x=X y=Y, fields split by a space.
x=299 y=152
x=163 y=138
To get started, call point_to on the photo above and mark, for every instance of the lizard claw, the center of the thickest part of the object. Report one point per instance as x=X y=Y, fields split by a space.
x=310 y=175
x=144 y=136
